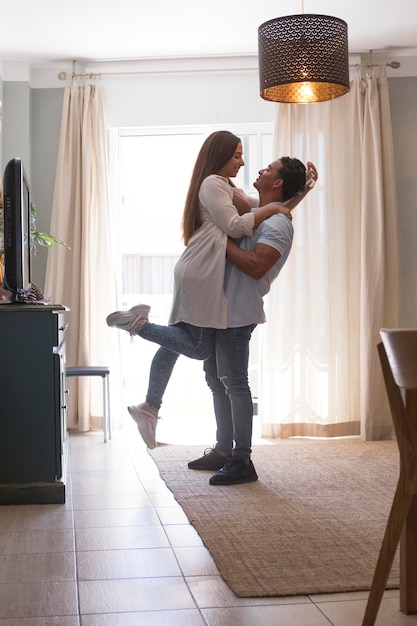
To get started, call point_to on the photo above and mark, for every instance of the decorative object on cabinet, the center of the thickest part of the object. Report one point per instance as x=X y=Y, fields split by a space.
x=41 y=239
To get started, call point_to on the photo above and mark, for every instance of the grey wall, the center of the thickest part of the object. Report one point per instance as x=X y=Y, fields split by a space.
x=46 y=111
x=32 y=119
x=1 y=119
x=403 y=102
x=16 y=123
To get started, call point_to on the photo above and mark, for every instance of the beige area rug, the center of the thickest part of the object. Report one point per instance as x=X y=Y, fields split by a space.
x=312 y=524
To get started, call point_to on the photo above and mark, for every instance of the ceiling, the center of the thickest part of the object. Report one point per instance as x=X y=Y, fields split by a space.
x=48 y=31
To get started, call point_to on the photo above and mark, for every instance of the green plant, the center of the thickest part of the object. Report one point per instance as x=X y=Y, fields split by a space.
x=38 y=238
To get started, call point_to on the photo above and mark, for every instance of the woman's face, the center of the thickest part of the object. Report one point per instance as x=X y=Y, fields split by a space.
x=232 y=167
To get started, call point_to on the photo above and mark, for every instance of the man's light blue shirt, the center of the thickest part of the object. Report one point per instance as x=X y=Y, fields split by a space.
x=244 y=294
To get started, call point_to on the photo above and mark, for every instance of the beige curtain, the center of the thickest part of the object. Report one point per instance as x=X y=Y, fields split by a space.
x=84 y=278
x=320 y=374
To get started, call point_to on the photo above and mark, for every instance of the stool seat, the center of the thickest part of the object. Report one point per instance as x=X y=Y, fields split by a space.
x=96 y=370
x=88 y=370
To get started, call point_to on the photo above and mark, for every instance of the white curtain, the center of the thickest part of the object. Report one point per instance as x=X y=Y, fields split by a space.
x=84 y=278
x=320 y=373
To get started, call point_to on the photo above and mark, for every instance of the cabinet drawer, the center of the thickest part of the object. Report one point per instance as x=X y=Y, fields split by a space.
x=60 y=326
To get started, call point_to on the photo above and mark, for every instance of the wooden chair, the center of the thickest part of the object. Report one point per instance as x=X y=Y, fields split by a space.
x=398 y=356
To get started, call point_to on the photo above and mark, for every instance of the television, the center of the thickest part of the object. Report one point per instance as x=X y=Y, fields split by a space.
x=16 y=211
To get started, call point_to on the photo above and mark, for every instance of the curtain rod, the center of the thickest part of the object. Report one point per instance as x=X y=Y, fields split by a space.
x=92 y=75
x=393 y=64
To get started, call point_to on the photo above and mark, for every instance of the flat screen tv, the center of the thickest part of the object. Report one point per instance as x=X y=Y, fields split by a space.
x=16 y=208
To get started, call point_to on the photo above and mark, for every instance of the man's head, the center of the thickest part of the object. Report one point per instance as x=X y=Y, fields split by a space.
x=281 y=180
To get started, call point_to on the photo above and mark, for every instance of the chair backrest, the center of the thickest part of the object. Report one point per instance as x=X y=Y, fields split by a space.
x=398 y=355
x=401 y=348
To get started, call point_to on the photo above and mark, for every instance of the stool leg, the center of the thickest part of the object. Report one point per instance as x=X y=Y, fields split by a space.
x=106 y=405
x=104 y=410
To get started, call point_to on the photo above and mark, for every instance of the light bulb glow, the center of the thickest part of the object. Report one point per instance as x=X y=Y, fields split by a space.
x=306 y=92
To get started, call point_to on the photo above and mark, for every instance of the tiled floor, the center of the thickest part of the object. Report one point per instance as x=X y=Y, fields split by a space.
x=121 y=552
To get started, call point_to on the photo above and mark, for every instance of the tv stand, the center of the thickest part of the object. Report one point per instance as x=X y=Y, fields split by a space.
x=32 y=403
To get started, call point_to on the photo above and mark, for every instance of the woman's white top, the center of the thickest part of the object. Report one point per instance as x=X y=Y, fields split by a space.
x=199 y=273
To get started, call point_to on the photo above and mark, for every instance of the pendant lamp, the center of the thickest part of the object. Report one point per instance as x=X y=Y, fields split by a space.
x=303 y=58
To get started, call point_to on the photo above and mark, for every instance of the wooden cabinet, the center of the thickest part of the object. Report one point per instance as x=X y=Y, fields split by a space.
x=32 y=403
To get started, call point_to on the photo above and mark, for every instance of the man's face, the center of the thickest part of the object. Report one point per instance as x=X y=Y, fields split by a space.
x=268 y=177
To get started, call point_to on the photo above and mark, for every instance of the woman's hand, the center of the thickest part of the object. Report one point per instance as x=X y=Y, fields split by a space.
x=240 y=201
x=285 y=210
x=311 y=178
x=311 y=175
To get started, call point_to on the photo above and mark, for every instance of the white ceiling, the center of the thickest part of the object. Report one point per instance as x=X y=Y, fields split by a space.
x=47 y=31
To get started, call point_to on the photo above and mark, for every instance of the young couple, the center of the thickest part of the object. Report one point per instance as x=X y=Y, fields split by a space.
x=218 y=294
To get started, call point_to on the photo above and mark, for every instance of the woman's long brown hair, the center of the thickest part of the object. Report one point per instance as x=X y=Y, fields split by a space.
x=215 y=152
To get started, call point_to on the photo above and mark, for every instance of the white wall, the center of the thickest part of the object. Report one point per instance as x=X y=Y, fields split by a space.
x=188 y=99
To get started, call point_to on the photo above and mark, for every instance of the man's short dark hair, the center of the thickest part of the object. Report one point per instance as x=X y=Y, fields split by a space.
x=293 y=174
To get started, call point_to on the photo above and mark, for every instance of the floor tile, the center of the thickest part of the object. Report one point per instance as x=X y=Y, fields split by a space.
x=183 y=535
x=99 y=518
x=35 y=517
x=36 y=541
x=191 y=617
x=111 y=501
x=212 y=591
x=124 y=538
x=91 y=483
x=29 y=568
x=284 y=615
x=60 y=620
x=110 y=564
x=38 y=599
x=351 y=613
x=171 y=515
x=195 y=561
x=142 y=594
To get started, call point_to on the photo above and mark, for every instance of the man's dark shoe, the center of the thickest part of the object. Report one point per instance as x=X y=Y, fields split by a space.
x=235 y=472
x=211 y=460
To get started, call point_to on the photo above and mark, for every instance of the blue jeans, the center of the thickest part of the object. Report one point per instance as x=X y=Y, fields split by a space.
x=227 y=376
x=182 y=338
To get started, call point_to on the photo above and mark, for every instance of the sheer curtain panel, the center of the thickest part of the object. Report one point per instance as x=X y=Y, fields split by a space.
x=320 y=374
x=84 y=278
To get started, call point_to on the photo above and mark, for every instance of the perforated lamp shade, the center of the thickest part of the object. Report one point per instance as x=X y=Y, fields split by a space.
x=303 y=58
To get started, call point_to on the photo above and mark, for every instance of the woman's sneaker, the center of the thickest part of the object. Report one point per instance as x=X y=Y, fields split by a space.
x=130 y=320
x=211 y=460
x=146 y=422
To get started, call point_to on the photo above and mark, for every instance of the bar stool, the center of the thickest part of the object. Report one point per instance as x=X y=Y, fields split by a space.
x=103 y=371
